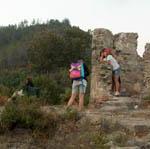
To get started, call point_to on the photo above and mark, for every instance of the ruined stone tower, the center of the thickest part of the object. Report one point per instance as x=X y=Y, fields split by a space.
x=124 y=45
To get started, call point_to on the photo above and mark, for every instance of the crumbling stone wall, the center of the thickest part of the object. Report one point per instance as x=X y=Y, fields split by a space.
x=146 y=68
x=124 y=45
x=100 y=73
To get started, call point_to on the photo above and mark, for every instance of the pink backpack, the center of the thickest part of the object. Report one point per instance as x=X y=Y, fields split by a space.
x=77 y=71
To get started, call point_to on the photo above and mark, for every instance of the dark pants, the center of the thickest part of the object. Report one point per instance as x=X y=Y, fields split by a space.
x=33 y=91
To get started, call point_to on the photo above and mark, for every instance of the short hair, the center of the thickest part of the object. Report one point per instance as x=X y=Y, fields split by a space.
x=80 y=60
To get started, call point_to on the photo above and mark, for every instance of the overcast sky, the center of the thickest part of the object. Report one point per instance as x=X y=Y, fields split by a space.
x=116 y=15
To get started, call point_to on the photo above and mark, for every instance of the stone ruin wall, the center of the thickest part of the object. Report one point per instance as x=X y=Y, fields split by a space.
x=101 y=38
x=135 y=71
x=146 y=68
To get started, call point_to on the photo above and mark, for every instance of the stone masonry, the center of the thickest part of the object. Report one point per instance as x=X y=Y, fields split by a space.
x=100 y=73
x=146 y=67
x=124 y=46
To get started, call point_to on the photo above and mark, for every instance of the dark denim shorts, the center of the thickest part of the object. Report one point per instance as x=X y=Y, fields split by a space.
x=116 y=72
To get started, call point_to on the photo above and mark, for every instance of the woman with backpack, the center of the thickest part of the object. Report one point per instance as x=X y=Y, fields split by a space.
x=107 y=55
x=78 y=75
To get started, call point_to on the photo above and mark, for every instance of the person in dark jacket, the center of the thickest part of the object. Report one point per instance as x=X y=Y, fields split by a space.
x=29 y=83
x=79 y=86
x=30 y=89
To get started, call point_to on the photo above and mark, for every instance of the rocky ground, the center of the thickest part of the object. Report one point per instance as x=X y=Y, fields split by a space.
x=127 y=117
x=123 y=120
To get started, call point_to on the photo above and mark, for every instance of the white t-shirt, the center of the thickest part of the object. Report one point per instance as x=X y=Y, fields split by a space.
x=113 y=62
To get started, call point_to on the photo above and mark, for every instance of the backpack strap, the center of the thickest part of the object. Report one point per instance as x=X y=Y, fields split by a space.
x=82 y=71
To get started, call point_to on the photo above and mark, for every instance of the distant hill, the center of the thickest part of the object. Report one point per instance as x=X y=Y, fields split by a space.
x=42 y=44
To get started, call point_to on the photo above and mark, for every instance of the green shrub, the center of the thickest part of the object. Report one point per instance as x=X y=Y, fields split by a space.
x=66 y=95
x=54 y=86
x=146 y=97
x=12 y=78
x=86 y=99
x=19 y=115
x=48 y=124
x=100 y=140
x=6 y=91
x=29 y=116
x=120 y=138
x=9 y=116
x=49 y=89
x=25 y=114
x=71 y=114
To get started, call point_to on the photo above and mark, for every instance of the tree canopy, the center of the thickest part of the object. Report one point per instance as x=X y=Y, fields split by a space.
x=46 y=46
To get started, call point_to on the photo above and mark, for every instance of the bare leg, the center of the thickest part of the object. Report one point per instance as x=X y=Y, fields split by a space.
x=81 y=101
x=72 y=99
x=120 y=84
x=117 y=84
x=113 y=84
x=75 y=102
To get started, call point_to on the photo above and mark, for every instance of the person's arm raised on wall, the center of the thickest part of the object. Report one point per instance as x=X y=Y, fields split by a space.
x=102 y=58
